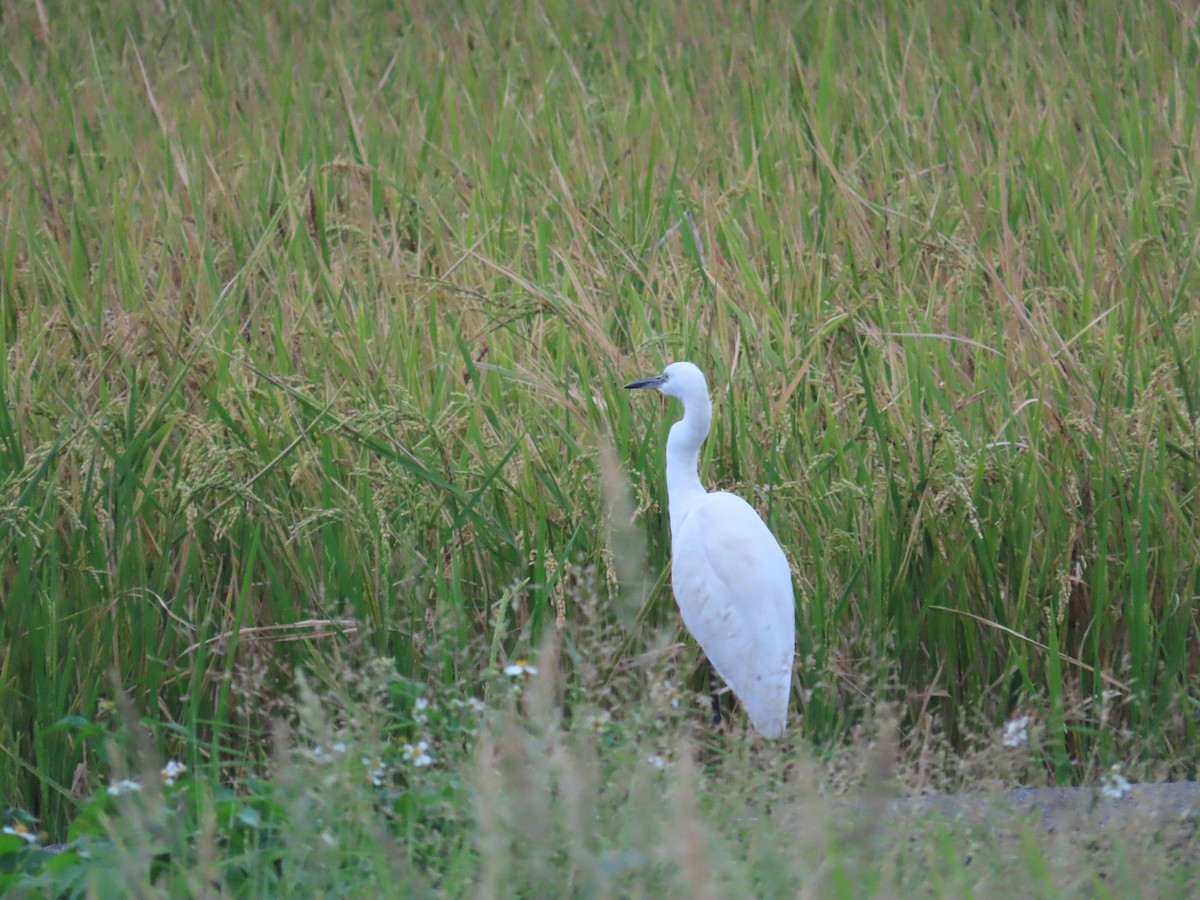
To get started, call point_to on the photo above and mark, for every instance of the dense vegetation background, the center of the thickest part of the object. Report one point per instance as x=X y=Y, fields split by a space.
x=315 y=319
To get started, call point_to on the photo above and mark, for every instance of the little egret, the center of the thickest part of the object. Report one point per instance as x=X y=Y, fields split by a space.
x=730 y=577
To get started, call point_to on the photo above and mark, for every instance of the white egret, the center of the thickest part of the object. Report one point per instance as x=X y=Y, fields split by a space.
x=730 y=577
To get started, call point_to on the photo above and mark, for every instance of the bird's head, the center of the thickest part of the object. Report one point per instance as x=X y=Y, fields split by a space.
x=682 y=379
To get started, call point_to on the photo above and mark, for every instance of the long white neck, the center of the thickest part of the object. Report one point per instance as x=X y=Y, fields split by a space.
x=683 y=458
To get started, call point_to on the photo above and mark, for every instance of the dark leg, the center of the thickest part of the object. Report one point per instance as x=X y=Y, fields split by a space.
x=716 y=700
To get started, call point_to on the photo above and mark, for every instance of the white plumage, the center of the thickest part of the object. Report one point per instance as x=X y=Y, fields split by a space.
x=730 y=577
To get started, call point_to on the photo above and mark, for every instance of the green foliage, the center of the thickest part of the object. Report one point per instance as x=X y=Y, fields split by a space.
x=315 y=320
x=378 y=786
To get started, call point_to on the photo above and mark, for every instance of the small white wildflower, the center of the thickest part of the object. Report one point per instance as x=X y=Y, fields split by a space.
x=1115 y=785
x=519 y=668
x=477 y=705
x=657 y=761
x=597 y=721
x=321 y=755
x=124 y=786
x=419 y=708
x=172 y=771
x=376 y=770
x=1016 y=732
x=21 y=830
x=328 y=839
x=418 y=754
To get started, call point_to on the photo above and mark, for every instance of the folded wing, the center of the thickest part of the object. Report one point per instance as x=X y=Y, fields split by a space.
x=734 y=589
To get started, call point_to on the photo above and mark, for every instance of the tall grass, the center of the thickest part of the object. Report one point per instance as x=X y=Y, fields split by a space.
x=316 y=318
